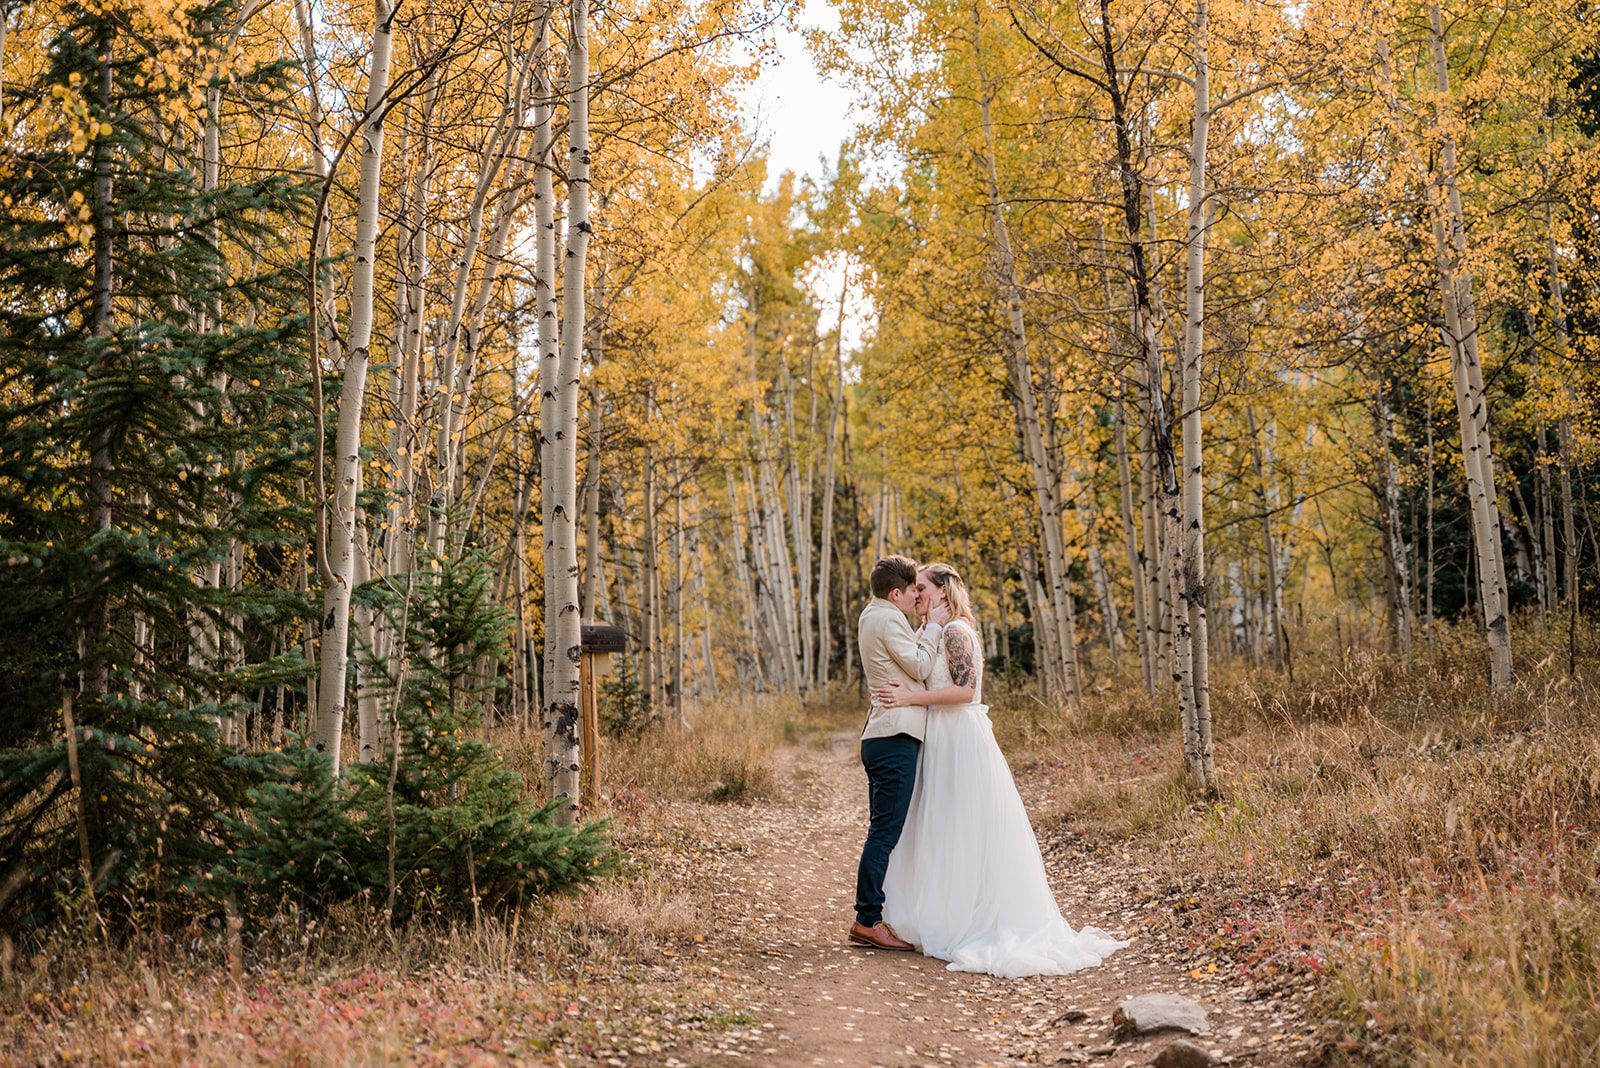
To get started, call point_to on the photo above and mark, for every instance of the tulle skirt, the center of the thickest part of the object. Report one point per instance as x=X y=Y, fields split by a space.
x=966 y=883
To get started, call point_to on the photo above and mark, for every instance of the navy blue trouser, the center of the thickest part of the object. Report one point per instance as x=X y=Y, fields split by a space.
x=891 y=765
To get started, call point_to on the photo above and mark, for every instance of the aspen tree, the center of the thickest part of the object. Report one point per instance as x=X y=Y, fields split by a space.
x=1570 y=551
x=749 y=598
x=1136 y=559
x=829 y=483
x=339 y=563
x=559 y=763
x=1462 y=336
x=592 y=581
x=455 y=374
x=1045 y=480
x=562 y=625
x=1192 y=591
x=650 y=579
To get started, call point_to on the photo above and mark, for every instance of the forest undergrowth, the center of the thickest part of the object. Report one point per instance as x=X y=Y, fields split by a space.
x=1423 y=856
x=565 y=978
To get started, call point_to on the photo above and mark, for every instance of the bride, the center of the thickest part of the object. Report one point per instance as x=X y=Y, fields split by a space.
x=966 y=883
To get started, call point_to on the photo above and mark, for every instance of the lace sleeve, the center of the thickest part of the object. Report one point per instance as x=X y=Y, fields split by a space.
x=961 y=653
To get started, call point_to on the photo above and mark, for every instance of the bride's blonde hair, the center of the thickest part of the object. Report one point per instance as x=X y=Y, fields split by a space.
x=948 y=579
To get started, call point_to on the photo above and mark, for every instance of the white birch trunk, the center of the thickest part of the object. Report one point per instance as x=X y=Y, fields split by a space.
x=748 y=595
x=829 y=482
x=1147 y=333
x=799 y=510
x=1045 y=483
x=1399 y=566
x=649 y=588
x=1192 y=591
x=592 y=581
x=1472 y=408
x=1136 y=562
x=339 y=568
x=559 y=766
x=455 y=378
x=562 y=631
x=677 y=593
x=1157 y=614
x=319 y=156
x=1564 y=443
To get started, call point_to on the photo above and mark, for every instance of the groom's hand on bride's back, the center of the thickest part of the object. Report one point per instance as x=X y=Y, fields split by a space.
x=892 y=694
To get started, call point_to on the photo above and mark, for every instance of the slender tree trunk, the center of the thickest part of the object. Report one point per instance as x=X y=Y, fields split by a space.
x=560 y=763
x=749 y=596
x=705 y=683
x=520 y=682
x=1109 y=617
x=1201 y=762
x=1461 y=326
x=387 y=644
x=1260 y=439
x=1136 y=561
x=5 y=16
x=1545 y=520
x=1389 y=477
x=799 y=510
x=779 y=572
x=591 y=475
x=95 y=674
x=1039 y=617
x=563 y=636
x=412 y=273
x=678 y=664
x=1427 y=523
x=455 y=378
x=206 y=641
x=368 y=690
x=650 y=612
x=1004 y=621
x=339 y=568
x=829 y=483
x=1570 y=549
x=1524 y=532
x=319 y=159
x=769 y=543
x=1196 y=745
x=1157 y=606
x=1046 y=483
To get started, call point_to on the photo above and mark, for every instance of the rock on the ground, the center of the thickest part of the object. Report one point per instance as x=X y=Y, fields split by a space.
x=1184 y=1054
x=1145 y=1013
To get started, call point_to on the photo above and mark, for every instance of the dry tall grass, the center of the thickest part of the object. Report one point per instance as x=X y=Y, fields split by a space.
x=1431 y=853
x=344 y=989
x=1426 y=856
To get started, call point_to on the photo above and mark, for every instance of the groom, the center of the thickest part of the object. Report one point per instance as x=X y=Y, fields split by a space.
x=892 y=738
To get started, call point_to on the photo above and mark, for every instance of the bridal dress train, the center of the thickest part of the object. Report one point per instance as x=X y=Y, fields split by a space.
x=966 y=883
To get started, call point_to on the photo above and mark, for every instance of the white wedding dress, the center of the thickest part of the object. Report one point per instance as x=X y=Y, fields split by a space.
x=966 y=883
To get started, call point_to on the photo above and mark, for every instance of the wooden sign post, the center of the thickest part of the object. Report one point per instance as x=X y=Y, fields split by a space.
x=599 y=642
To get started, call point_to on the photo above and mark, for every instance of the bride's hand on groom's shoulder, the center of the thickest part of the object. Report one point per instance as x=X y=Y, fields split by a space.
x=892 y=694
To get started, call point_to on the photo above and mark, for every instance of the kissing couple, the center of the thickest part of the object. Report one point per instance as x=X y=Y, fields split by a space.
x=950 y=865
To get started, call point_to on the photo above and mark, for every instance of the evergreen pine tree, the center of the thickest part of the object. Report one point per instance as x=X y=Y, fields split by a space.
x=152 y=412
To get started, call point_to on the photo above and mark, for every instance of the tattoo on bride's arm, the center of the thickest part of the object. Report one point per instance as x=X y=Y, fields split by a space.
x=959 y=654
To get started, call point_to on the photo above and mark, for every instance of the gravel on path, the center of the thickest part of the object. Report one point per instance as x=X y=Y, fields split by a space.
x=781 y=876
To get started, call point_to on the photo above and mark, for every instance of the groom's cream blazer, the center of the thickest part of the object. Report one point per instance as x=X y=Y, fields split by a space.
x=890 y=650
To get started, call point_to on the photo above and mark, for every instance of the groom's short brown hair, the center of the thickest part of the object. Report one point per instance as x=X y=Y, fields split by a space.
x=892 y=573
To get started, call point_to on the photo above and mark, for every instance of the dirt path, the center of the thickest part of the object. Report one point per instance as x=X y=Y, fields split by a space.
x=782 y=877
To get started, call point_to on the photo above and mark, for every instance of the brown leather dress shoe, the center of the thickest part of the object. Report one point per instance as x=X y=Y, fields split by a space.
x=878 y=936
